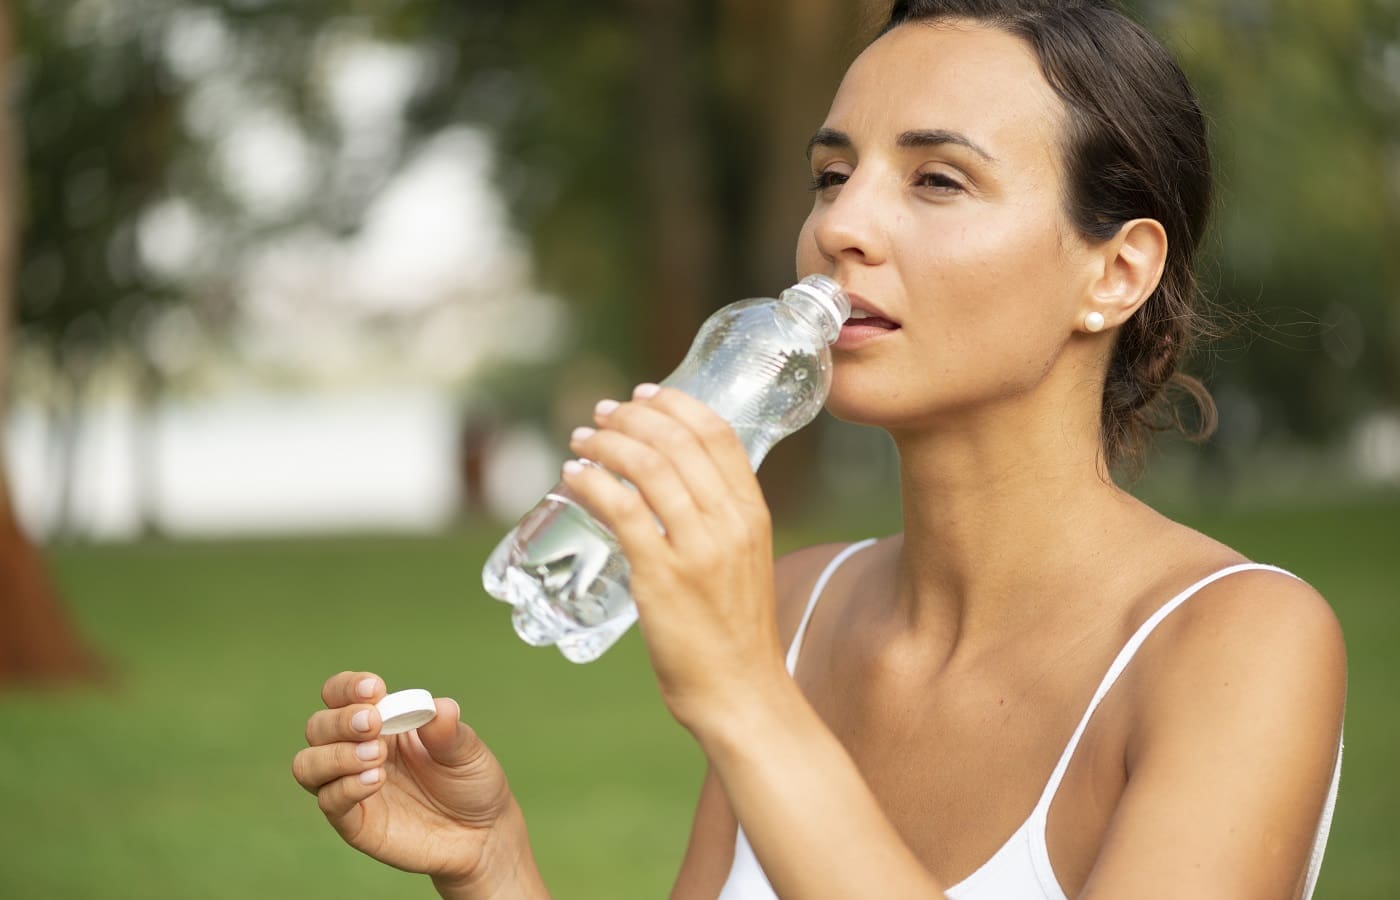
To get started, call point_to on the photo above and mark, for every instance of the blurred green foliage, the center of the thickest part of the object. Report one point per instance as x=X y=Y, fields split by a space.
x=652 y=155
x=175 y=781
x=1304 y=103
x=99 y=122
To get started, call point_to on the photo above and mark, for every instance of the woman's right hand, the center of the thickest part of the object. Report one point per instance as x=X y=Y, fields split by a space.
x=432 y=800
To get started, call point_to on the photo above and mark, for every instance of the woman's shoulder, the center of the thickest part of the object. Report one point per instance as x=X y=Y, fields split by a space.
x=795 y=575
x=1241 y=601
x=1253 y=641
x=1229 y=586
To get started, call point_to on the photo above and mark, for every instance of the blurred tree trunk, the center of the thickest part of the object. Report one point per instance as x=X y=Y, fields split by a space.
x=789 y=58
x=74 y=373
x=37 y=641
x=682 y=225
x=149 y=384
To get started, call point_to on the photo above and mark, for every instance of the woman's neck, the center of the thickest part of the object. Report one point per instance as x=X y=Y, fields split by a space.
x=1003 y=528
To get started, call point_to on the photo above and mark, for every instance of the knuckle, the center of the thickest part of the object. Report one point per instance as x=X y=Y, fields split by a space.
x=299 y=767
x=622 y=416
x=327 y=797
x=346 y=760
x=746 y=527
x=714 y=428
x=681 y=402
x=650 y=463
x=676 y=440
x=347 y=727
x=330 y=690
x=631 y=504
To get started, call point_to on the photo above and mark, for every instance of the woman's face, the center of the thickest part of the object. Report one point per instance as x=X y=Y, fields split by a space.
x=938 y=199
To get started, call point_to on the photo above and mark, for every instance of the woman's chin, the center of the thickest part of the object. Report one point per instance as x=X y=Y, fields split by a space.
x=858 y=410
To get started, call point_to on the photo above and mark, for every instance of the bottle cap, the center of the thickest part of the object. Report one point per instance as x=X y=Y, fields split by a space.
x=405 y=710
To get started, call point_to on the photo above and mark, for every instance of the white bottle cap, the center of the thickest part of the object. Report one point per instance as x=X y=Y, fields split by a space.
x=405 y=710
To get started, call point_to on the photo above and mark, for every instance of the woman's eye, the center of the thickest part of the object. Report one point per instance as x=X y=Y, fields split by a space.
x=938 y=181
x=828 y=179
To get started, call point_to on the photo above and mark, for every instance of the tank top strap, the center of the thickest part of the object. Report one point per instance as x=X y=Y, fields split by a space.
x=1120 y=662
x=796 y=646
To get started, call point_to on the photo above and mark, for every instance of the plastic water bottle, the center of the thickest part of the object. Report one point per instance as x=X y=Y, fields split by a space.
x=765 y=366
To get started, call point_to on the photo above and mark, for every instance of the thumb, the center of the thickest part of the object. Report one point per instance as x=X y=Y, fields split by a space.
x=448 y=740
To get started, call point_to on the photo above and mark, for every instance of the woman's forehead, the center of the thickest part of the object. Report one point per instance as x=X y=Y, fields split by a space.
x=967 y=78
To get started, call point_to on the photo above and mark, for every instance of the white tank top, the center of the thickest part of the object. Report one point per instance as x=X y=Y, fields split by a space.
x=1021 y=869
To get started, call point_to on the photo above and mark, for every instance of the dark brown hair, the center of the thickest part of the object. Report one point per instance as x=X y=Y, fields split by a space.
x=1135 y=147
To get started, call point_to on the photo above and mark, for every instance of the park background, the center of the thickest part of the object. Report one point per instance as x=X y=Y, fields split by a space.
x=302 y=299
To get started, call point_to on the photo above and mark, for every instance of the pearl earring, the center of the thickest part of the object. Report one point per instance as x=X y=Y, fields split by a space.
x=1094 y=321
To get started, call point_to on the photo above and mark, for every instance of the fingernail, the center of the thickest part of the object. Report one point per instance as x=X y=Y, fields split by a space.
x=368 y=750
x=573 y=467
x=583 y=433
x=360 y=720
x=646 y=389
x=366 y=687
x=606 y=406
x=369 y=776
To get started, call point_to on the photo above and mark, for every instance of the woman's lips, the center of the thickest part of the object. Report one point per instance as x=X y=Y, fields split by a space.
x=859 y=332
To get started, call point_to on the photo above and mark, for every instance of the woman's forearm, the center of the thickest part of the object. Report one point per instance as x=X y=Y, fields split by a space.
x=813 y=823
x=507 y=871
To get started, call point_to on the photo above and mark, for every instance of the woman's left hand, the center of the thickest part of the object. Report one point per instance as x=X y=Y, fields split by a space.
x=704 y=589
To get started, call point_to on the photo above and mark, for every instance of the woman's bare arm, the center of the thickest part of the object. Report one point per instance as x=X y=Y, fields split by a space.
x=710 y=852
x=814 y=824
x=1232 y=758
x=815 y=827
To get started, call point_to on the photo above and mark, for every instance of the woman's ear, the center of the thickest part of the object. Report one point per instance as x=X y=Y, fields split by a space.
x=1132 y=263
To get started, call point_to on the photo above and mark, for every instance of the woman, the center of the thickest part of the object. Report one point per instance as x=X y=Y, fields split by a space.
x=1041 y=687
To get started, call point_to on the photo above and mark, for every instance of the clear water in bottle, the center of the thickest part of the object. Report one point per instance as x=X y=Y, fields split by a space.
x=765 y=366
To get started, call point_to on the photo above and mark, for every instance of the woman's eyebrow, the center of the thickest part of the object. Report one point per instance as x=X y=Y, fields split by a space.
x=921 y=137
x=932 y=137
x=829 y=137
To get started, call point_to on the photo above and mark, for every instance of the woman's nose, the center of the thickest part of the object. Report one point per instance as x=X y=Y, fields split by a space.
x=847 y=228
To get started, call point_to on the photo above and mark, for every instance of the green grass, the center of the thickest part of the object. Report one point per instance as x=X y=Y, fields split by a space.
x=174 y=782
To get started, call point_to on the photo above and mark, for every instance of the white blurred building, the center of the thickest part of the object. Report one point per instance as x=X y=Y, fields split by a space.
x=268 y=462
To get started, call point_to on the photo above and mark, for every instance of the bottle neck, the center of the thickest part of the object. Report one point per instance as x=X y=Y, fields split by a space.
x=820 y=300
